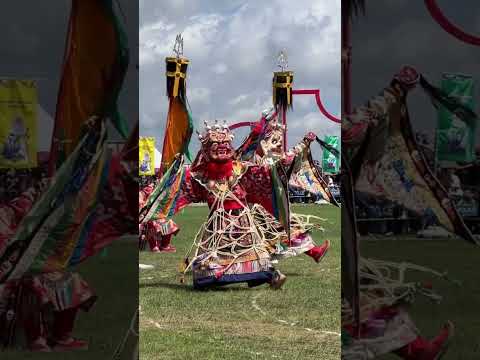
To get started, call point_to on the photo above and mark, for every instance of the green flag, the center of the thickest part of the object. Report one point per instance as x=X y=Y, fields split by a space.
x=456 y=138
x=330 y=161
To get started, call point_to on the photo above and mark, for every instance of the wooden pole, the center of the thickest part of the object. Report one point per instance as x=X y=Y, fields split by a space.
x=284 y=122
x=346 y=65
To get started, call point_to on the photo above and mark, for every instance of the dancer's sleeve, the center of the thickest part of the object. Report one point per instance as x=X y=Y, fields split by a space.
x=355 y=127
x=190 y=192
x=296 y=154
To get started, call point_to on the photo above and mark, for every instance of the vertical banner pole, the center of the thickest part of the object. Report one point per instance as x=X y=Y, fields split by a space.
x=284 y=122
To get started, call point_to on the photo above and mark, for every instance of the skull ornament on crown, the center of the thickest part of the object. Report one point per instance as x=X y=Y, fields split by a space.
x=217 y=142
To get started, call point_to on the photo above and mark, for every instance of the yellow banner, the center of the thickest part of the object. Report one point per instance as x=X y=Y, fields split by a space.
x=147 y=156
x=18 y=124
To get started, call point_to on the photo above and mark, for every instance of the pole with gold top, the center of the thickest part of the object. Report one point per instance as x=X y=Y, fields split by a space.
x=282 y=91
x=177 y=70
x=179 y=126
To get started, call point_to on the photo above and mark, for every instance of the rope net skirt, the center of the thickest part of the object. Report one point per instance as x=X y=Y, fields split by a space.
x=274 y=233
x=229 y=242
x=244 y=240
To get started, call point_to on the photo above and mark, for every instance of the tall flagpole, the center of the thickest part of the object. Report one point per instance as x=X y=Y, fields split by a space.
x=282 y=92
x=347 y=185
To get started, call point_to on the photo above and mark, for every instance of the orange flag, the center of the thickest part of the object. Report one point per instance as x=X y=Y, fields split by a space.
x=95 y=63
x=177 y=133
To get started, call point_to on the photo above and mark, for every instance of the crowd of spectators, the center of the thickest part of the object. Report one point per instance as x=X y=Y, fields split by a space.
x=13 y=182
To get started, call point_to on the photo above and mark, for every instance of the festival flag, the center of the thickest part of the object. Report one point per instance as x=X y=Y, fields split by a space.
x=146 y=156
x=179 y=127
x=18 y=124
x=96 y=60
x=456 y=137
x=330 y=160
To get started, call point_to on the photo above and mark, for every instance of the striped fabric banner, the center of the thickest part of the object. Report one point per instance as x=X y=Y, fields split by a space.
x=162 y=201
x=76 y=217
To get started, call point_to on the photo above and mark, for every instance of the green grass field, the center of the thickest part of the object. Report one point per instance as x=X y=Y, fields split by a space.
x=114 y=278
x=300 y=321
x=460 y=303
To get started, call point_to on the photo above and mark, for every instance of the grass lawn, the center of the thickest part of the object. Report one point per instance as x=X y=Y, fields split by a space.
x=301 y=321
x=114 y=278
x=460 y=304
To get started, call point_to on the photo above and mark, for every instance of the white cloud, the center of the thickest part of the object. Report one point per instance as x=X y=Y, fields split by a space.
x=199 y=95
x=232 y=47
x=220 y=68
x=239 y=99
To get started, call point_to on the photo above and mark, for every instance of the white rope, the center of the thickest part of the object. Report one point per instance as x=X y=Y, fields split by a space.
x=388 y=286
x=223 y=234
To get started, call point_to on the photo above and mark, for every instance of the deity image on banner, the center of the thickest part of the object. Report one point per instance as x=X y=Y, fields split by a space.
x=16 y=144
x=145 y=166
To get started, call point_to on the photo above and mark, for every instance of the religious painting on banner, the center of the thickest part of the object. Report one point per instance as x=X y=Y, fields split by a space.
x=330 y=161
x=147 y=156
x=456 y=138
x=18 y=123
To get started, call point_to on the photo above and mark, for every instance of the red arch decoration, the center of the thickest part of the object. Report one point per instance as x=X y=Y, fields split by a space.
x=448 y=26
x=321 y=107
x=241 y=124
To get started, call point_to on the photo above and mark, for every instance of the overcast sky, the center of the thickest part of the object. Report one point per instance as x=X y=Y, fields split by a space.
x=33 y=45
x=232 y=47
x=399 y=32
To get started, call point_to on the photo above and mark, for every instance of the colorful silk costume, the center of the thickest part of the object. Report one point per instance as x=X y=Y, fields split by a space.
x=229 y=247
x=264 y=146
x=394 y=170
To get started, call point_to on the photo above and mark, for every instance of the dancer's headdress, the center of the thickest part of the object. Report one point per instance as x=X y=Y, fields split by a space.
x=215 y=133
x=273 y=125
